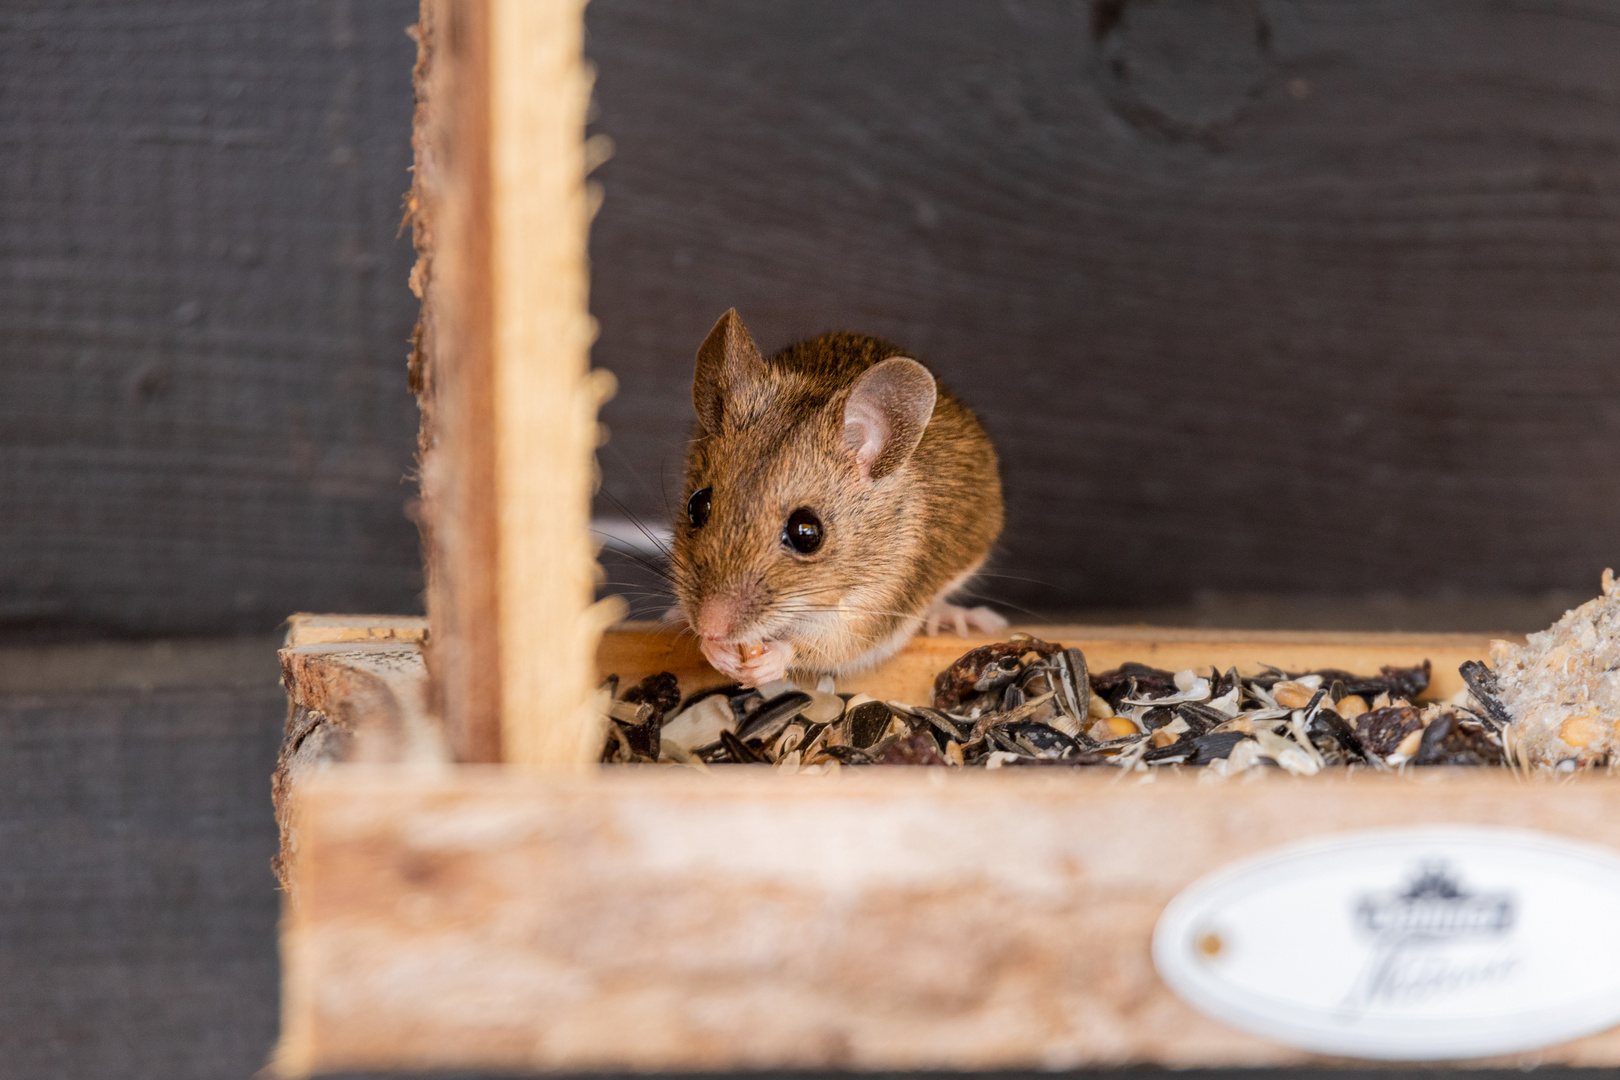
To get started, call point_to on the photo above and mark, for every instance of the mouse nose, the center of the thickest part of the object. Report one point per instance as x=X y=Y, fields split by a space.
x=717 y=617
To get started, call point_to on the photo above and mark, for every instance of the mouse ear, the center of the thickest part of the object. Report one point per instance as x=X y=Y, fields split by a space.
x=888 y=409
x=729 y=367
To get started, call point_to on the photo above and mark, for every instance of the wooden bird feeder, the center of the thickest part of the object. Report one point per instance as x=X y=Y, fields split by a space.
x=466 y=890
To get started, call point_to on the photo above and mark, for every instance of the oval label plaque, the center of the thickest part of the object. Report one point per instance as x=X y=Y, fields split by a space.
x=1404 y=944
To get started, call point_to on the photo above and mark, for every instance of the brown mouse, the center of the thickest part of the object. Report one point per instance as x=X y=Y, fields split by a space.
x=836 y=494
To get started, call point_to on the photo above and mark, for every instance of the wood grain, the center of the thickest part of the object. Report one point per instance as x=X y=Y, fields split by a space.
x=353 y=700
x=307 y=629
x=502 y=371
x=453 y=373
x=635 y=650
x=1280 y=297
x=473 y=917
x=139 y=909
x=545 y=398
x=204 y=316
x=905 y=919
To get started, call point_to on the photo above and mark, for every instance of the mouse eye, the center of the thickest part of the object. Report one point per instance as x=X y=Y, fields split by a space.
x=802 y=532
x=697 y=507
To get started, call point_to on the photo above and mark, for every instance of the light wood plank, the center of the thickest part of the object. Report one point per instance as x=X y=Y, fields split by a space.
x=306 y=629
x=633 y=650
x=508 y=403
x=902 y=919
x=545 y=398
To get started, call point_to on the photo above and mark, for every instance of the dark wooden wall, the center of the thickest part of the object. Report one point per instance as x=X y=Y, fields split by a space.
x=137 y=907
x=1315 y=297
x=204 y=423
x=1300 y=297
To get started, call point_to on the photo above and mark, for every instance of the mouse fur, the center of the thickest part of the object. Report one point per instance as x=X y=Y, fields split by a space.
x=901 y=475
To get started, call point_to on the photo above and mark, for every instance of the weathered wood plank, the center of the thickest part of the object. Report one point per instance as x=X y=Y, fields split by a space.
x=1286 y=297
x=139 y=911
x=633 y=650
x=307 y=629
x=545 y=396
x=203 y=307
x=903 y=919
x=509 y=406
x=452 y=372
x=350 y=701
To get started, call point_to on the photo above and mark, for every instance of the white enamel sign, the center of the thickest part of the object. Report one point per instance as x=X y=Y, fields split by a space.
x=1405 y=944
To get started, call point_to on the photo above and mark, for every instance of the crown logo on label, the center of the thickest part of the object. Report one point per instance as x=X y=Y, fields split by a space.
x=1435 y=905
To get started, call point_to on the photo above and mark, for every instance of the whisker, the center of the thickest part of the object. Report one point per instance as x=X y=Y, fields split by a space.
x=641 y=526
x=999 y=602
x=630 y=470
x=1013 y=577
x=642 y=561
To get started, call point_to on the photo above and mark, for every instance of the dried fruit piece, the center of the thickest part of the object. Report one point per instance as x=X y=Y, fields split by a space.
x=1382 y=731
x=1150 y=682
x=917 y=748
x=1449 y=740
x=1404 y=682
x=988 y=667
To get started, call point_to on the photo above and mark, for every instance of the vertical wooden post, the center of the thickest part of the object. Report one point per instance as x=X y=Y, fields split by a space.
x=546 y=399
x=502 y=371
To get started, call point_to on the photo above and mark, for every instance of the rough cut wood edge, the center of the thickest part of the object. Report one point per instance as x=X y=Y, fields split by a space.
x=905 y=920
x=546 y=398
x=349 y=701
x=451 y=370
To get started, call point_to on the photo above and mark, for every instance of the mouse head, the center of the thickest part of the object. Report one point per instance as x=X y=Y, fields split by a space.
x=796 y=489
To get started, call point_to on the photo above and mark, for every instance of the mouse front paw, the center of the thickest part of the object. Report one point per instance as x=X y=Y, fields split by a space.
x=766 y=662
x=963 y=620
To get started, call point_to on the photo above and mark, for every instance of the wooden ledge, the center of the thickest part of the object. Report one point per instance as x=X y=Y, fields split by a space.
x=633 y=650
x=480 y=917
x=306 y=629
x=640 y=918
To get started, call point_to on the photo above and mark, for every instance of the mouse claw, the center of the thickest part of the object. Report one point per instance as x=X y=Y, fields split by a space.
x=986 y=620
x=963 y=620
